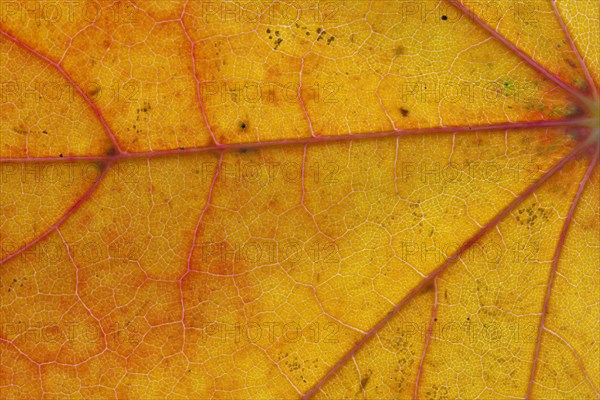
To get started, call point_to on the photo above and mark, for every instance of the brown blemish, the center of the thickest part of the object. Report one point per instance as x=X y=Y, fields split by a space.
x=93 y=92
x=571 y=63
x=364 y=381
x=21 y=130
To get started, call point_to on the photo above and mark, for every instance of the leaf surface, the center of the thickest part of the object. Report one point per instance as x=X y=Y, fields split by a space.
x=354 y=199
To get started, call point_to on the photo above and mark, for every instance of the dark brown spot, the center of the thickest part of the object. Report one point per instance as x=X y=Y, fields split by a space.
x=571 y=63
x=94 y=91
x=364 y=381
x=428 y=288
x=404 y=112
x=575 y=110
x=111 y=151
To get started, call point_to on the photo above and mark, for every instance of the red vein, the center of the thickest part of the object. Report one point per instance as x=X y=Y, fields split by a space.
x=77 y=281
x=315 y=140
x=557 y=253
x=427 y=339
x=191 y=253
x=484 y=230
x=72 y=82
x=524 y=56
x=578 y=357
x=70 y=212
x=586 y=71
x=198 y=89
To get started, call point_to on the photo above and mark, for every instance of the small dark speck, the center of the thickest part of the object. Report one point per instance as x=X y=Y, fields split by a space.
x=444 y=17
x=268 y=30
x=307 y=33
x=276 y=33
x=571 y=63
x=243 y=150
x=404 y=112
x=93 y=91
x=181 y=148
x=331 y=39
x=60 y=155
x=364 y=381
x=435 y=319
x=319 y=30
x=45 y=132
x=111 y=151
x=243 y=125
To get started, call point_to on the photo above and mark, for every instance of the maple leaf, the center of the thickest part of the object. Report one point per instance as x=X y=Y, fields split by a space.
x=349 y=199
